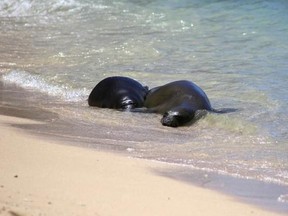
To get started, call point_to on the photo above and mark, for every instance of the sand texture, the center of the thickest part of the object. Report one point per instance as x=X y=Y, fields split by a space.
x=44 y=177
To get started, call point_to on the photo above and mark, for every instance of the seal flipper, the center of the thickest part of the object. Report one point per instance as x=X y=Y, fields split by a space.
x=223 y=110
x=143 y=110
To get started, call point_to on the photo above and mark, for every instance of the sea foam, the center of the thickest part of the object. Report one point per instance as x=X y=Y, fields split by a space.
x=35 y=82
x=16 y=8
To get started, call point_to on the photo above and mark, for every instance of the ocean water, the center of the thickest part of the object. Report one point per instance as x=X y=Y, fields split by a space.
x=236 y=51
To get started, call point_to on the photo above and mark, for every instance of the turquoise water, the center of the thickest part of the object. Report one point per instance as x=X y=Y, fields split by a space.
x=236 y=51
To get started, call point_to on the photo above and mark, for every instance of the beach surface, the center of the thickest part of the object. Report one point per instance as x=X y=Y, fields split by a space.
x=46 y=177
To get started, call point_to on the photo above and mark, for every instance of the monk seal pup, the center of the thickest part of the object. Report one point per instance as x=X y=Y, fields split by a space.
x=118 y=93
x=178 y=102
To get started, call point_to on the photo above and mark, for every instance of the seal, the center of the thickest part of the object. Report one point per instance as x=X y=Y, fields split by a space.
x=178 y=101
x=118 y=93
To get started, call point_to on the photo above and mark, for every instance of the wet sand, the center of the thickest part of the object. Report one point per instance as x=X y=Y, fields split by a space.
x=43 y=177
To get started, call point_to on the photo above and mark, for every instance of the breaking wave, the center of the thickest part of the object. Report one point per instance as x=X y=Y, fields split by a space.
x=20 y=8
x=35 y=82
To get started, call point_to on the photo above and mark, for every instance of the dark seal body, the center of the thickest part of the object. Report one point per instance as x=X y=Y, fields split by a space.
x=177 y=101
x=118 y=93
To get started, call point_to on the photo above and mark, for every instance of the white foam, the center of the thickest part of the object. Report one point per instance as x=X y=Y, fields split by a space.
x=16 y=8
x=35 y=82
x=283 y=198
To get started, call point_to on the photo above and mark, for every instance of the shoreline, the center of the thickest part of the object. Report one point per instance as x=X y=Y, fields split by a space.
x=45 y=177
x=20 y=117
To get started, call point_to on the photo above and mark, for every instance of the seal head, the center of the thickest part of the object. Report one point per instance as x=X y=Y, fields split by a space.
x=118 y=93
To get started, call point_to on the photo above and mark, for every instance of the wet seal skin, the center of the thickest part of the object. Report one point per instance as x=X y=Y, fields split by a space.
x=178 y=102
x=118 y=92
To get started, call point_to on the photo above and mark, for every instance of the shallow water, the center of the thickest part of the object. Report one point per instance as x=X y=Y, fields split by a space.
x=235 y=50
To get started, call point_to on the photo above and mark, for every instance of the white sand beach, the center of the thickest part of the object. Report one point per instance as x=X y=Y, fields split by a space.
x=46 y=177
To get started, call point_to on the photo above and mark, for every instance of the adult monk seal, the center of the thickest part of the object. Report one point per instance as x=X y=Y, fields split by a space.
x=118 y=93
x=178 y=102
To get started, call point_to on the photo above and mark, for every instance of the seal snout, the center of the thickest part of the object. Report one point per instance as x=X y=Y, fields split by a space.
x=177 y=118
x=169 y=121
